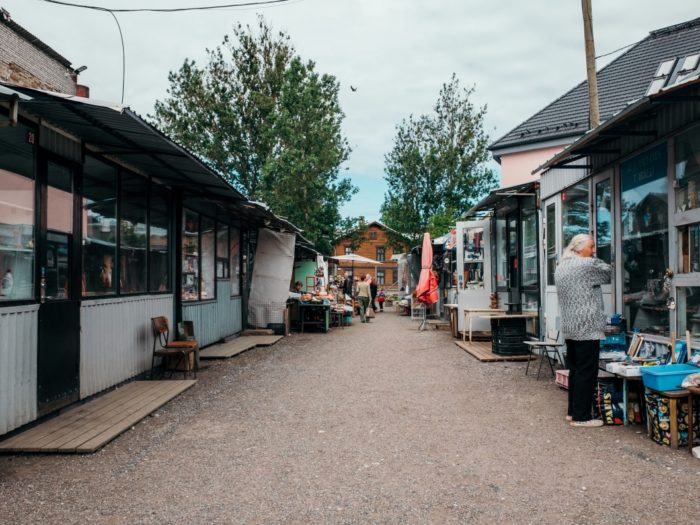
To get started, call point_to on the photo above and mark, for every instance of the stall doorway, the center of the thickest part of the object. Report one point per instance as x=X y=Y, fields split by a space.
x=59 y=322
x=512 y=245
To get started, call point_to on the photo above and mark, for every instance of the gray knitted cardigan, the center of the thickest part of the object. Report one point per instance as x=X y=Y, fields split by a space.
x=578 y=281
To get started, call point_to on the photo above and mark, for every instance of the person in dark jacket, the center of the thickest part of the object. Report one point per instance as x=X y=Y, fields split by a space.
x=373 y=289
x=348 y=285
x=578 y=279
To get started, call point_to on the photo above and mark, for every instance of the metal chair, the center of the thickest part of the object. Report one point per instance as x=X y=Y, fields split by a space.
x=166 y=349
x=548 y=349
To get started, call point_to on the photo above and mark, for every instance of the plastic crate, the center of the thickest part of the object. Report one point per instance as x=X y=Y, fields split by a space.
x=614 y=340
x=666 y=377
x=562 y=379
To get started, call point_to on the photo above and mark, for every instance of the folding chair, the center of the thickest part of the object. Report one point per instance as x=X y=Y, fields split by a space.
x=548 y=349
x=169 y=349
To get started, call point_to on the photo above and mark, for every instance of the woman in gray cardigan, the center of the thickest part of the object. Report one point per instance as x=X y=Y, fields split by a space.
x=578 y=279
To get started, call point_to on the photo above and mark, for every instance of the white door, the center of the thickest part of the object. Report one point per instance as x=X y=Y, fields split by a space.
x=551 y=241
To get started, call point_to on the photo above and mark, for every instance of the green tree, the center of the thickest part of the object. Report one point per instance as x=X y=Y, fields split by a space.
x=269 y=122
x=437 y=169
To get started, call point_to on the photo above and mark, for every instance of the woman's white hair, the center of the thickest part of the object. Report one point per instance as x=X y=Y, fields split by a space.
x=576 y=245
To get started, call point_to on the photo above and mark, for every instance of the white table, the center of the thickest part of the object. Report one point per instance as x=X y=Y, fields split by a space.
x=478 y=312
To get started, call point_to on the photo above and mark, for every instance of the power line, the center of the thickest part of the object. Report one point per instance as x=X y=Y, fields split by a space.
x=121 y=36
x=618 y=49
x=168 y=10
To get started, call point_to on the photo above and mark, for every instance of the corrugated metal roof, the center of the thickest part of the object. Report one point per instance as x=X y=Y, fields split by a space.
x=624 y=80
x=489 y=202
x=118 y=133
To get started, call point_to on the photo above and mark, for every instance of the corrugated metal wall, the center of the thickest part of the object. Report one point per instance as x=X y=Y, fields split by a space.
x=18 y=365
x=116 y=342
x=217 y=319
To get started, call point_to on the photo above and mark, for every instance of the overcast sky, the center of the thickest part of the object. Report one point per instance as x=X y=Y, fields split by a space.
x=519 y=54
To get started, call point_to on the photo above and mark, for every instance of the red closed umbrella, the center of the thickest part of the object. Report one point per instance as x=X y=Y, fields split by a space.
x=427 y=289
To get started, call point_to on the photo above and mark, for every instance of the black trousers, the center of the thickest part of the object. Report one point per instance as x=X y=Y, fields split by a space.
x=582 y=361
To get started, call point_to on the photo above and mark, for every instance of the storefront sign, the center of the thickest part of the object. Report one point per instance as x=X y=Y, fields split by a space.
x=644 y=168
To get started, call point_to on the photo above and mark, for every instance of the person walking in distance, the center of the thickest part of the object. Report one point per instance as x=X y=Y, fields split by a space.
x=373 y=292
x=363 y=296
x=578 y=279
x=381 y=297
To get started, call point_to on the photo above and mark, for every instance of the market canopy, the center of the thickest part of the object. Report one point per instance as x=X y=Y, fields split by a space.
x=489 y=202
x=354 y=258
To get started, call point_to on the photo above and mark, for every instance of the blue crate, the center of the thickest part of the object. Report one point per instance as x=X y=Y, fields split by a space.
x=666 y=377
x=617 y=339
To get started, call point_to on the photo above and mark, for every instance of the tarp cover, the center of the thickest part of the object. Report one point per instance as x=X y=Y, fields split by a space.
x=272 y=271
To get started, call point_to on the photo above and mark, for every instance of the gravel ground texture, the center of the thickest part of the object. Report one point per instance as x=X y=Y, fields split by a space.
x=373 y=423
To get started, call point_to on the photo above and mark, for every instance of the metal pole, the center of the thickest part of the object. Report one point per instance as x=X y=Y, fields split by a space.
x=593 y=112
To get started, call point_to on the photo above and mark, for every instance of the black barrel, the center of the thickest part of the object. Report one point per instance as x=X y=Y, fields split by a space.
x=508 y=336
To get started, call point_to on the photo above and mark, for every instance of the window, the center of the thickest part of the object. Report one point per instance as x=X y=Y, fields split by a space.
x=689 y=310
x=689 y=248
x=208 y=241
x=348 y=250
x=603 y=221
x=99 y=218
x=380 y=253
x=372 y=236
x=222 y=252
x=132 y=231
x=687 y=161
x=574 y=212
x=190 y=256
x=551 y=243
x=380 y=277
x=159 y=240
x=501 y=252
x=529 y=244
x=16 y=215
x=235 y=258
x=645 y=240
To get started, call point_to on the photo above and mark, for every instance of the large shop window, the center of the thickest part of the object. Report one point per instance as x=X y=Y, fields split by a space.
x=501 y=253
x=529 y=245
x=190 y=256
x=687 y=160
x=132 y=231
x=574 y=212
x=16 y=215
x=645 y=241
x=222 y=252
x=235 y=256
x=198 y=257
x=99 y=217
x=159 y=240
x=603 y=220
x=689 y=311
x=551 y=243
x=208 y=261
x=689 y=248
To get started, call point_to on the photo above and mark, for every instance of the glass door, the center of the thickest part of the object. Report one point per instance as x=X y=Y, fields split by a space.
x=513 y=237
x=58 y=362
x=603 y=230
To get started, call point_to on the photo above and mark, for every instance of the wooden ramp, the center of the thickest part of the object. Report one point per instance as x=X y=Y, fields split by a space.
x=482 y=351
x=89 y=427
x=237 y=345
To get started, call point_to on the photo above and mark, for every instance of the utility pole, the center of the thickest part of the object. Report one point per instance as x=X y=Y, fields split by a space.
x=593 y=111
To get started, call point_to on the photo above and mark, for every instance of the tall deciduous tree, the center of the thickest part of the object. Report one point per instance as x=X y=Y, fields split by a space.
x=437 y=167
x=269 y=122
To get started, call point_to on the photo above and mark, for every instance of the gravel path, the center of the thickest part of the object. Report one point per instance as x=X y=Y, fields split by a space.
x=374 y=423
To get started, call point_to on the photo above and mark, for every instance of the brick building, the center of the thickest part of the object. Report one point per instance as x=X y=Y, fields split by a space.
x=374 y=245
x=26 y=61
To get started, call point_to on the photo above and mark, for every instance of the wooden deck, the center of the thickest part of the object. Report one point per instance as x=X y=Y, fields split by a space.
x=88 y=427
x=482 y=351
x=237 y=345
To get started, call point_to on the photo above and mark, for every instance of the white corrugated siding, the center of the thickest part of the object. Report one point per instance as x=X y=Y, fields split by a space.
x=216 y=319
x=18 y=366
x=116 y=342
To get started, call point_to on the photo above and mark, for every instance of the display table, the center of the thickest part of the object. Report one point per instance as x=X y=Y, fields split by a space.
x=314 y=314
x=693 y=391
x=477 y=312
x=451 y=312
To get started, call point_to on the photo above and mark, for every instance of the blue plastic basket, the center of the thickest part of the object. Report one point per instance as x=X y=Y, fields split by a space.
x=666 y=377
x=616 y=339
